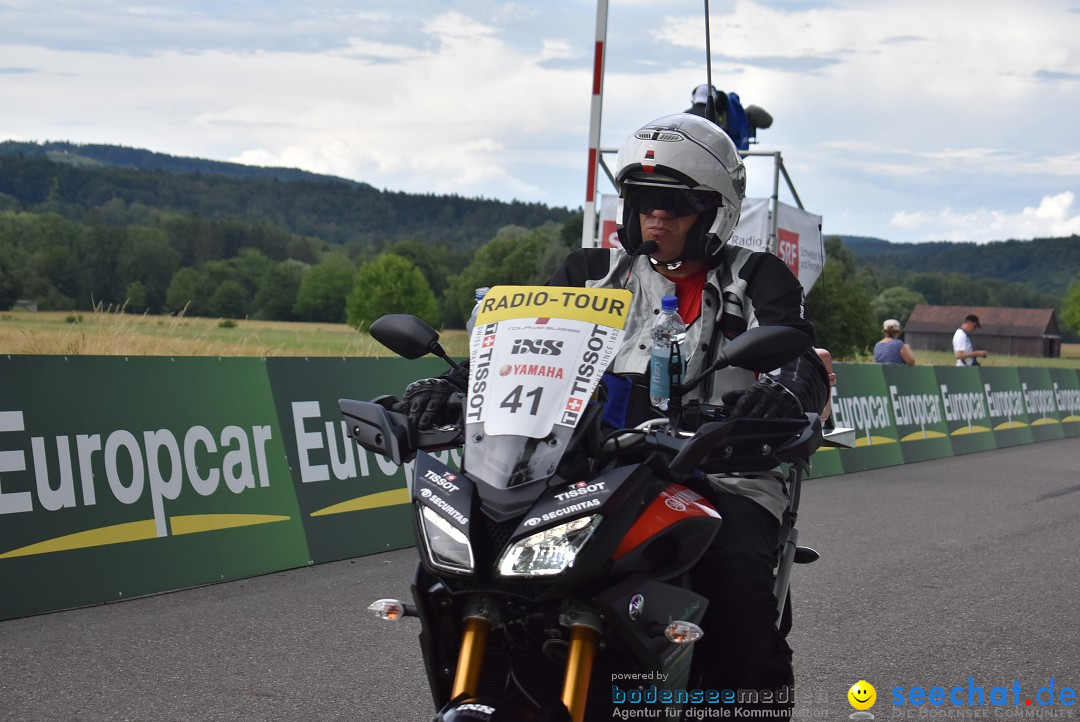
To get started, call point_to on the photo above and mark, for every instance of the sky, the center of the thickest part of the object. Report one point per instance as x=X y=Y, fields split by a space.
x=907 y=120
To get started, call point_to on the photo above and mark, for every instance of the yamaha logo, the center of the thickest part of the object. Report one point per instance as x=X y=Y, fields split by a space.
x=674 y=504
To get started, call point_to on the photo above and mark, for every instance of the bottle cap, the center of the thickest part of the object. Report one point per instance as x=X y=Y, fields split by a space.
x=669 y=303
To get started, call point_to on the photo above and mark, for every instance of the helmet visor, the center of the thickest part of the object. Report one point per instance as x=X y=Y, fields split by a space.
x=676 y=202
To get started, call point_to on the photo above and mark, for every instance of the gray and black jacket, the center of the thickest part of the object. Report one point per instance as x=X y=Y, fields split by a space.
x=744 y=290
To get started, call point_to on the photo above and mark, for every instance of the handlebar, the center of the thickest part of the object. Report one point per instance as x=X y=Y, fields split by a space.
x=723 y=445
x=375 y=426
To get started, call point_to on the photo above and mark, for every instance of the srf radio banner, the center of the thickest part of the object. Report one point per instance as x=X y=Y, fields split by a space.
x=798 y=237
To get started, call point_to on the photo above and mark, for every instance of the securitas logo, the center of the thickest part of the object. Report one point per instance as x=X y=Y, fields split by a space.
x=974 y=699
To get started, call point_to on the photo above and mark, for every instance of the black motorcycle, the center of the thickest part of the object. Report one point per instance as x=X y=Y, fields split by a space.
x=553 y=574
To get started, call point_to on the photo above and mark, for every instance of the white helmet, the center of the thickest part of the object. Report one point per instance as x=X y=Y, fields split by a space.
x=688 y=153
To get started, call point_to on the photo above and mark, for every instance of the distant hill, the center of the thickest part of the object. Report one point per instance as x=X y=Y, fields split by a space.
x=128 y=184
x=118 y=156
x=1048 y=265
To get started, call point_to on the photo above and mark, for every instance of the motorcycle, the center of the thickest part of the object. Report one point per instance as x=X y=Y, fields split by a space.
x=553 y=572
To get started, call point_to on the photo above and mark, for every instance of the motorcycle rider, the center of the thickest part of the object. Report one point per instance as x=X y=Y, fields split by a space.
x=682 y=183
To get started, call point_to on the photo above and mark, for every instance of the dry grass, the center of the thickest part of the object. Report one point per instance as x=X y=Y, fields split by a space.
x=110 y=332
x=1070 y=359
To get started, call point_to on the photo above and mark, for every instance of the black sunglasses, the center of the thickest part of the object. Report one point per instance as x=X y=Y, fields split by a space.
x=673 y=201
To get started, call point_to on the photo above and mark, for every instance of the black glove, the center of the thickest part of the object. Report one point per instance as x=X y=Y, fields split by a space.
x=764 y=399
x=429 y=402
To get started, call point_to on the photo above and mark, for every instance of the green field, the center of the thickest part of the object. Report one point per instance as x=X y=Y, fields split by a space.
x=104 y=333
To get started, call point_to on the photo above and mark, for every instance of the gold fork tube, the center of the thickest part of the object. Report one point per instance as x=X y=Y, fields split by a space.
x=471 y=657
x=579 y=665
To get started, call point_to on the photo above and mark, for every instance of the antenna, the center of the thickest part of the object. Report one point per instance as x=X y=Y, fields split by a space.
x=710 y=103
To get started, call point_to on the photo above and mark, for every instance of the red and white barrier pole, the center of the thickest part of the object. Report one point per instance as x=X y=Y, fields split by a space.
x=588 y=225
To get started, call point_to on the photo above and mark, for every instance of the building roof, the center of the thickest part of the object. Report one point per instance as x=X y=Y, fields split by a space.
x=1036 y=322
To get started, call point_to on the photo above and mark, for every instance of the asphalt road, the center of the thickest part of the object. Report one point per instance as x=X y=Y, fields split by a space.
x=931 y=573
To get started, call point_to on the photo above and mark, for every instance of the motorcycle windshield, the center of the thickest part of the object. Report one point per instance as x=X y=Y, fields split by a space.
x=536 y=357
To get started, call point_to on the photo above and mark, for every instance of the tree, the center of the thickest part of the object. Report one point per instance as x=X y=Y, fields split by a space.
x=517 y=256
x=840 y=307
x=135 y=298
x=277 y=292
x=390 y=284
x=434 y=260
x=229 y=300
x=1070 y=308
x=146 y=257
x=188 y=292
x=10 y=284
x=896 y=302
x=323 y=289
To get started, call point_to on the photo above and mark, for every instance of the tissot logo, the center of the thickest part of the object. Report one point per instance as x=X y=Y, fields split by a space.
x=544 y=347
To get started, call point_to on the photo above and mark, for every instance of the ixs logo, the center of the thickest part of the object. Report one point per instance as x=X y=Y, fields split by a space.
x=541 y=347
x=67 y=473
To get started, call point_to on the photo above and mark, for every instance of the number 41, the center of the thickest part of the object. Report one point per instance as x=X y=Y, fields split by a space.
x=513 y=400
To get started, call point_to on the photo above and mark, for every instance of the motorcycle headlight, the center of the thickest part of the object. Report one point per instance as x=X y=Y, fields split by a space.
x=548 y=552
x=447 y=548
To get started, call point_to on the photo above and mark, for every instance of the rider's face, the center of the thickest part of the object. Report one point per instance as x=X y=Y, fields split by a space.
x=667 y=231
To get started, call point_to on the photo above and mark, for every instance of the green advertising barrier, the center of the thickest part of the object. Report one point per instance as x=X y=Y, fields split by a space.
x=918 y=412
x=964 y=404
x=352 y=502
x=1005 y=406
x=825 y=462
x=1066 y=384
x=1038 y=394
x=124 y=477
x=860 y=400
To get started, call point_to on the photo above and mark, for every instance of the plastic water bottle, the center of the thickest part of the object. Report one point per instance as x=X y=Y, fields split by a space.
x=667 y=328
x=479 y=295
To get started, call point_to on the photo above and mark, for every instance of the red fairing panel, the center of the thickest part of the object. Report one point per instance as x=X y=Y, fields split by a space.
x=672 y=505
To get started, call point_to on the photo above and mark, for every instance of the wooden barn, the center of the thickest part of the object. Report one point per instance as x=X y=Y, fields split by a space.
x=1004 y=331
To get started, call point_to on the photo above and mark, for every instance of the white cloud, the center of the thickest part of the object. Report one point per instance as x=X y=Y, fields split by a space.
x=1054 y=216
x=959 y=113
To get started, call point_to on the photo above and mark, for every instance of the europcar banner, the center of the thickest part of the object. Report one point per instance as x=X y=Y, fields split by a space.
x=826 y=461
x=1039 y=403
x=861 y=400
x=123 y=477
x=964 y=404
x=1005 y=405
x=918 y=412
x=351 y=502
x=1066 y=384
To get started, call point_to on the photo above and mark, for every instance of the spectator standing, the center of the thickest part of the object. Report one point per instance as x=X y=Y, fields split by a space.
x=891 y=349
x=966 y=355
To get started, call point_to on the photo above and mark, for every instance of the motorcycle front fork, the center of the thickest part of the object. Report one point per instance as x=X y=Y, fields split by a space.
x=584 y=641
